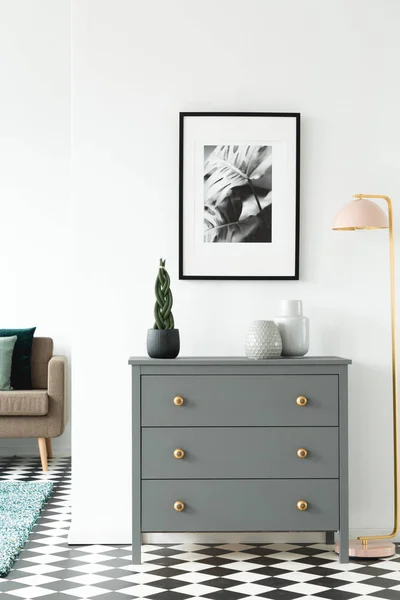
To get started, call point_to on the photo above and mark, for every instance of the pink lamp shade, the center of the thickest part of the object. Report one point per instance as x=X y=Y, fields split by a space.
x=360 y=214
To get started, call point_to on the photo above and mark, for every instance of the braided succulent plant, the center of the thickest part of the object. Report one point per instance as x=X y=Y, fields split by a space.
x=162 y=309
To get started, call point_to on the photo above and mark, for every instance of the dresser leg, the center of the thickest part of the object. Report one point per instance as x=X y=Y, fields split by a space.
x=136 y=469
x=343 y=469
x=137 y=549
x=329 y=537
x=344 y=547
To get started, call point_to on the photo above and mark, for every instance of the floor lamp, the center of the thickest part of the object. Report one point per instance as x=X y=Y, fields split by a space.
x=361 y=213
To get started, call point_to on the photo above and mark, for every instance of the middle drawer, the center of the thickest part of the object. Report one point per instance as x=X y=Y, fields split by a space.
x=239 y=452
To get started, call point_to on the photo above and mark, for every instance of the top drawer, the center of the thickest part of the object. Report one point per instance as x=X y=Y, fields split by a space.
x=249 y=400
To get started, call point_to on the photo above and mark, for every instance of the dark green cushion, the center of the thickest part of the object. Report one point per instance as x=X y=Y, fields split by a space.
x=21 y=363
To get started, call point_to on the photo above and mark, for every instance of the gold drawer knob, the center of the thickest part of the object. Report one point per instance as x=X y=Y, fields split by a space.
x=302 y=505
x=178 y=400
x=301 y=401
x=179 y=506
x=179 y=453
x=302 y=453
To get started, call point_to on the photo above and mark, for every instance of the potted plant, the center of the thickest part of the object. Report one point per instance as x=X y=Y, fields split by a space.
x=163 y=339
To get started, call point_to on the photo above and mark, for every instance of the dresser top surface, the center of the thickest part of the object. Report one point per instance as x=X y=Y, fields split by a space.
x=239 y=361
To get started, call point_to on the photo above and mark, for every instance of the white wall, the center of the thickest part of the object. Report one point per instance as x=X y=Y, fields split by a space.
x=35 y=178
x=135 y=66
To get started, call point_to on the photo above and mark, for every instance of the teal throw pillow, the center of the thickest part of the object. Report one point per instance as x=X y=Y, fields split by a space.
x=6 y=353
x=21 y=362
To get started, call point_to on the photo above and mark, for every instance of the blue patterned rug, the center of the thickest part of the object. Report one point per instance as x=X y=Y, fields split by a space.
x=20 y=506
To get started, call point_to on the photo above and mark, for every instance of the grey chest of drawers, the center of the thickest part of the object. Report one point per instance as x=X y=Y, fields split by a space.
x=228 y=444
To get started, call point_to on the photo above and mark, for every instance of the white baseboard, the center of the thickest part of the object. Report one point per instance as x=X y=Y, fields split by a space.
x=231 y=538
x=112 y=537
x=76 y=537
x=292 y=537
x=354 y=533
x=115 y=538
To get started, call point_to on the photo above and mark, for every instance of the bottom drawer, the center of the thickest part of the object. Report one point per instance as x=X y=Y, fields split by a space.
x=240 y=505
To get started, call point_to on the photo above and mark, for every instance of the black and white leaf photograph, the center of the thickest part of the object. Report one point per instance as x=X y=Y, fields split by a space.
x=238 y=193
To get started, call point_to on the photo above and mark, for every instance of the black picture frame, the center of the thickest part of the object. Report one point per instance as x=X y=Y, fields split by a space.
x=182 y=117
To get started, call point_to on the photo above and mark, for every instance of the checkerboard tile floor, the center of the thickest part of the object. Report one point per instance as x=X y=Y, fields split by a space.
x=49 y=568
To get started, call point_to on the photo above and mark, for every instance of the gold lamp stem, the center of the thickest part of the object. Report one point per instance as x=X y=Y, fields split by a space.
x=364 y=539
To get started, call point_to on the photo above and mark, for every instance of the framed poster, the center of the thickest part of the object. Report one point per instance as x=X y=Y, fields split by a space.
x=239 y=183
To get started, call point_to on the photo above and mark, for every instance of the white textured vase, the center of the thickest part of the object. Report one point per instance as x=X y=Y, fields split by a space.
x=294 y=328
x=263 y=341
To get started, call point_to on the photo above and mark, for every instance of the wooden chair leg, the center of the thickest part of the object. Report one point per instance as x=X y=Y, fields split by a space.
x=43 y=453
x=49 y=448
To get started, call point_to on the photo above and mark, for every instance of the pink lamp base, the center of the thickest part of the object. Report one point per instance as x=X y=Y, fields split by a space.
x=374 y=549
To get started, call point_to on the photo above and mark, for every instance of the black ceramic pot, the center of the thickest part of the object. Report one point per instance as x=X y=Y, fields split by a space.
x=163 y=343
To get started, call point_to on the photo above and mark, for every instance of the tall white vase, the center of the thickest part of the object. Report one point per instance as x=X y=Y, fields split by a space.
x=294 y=328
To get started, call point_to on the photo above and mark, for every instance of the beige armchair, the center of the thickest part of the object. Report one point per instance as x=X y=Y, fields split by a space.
x=41 y=412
